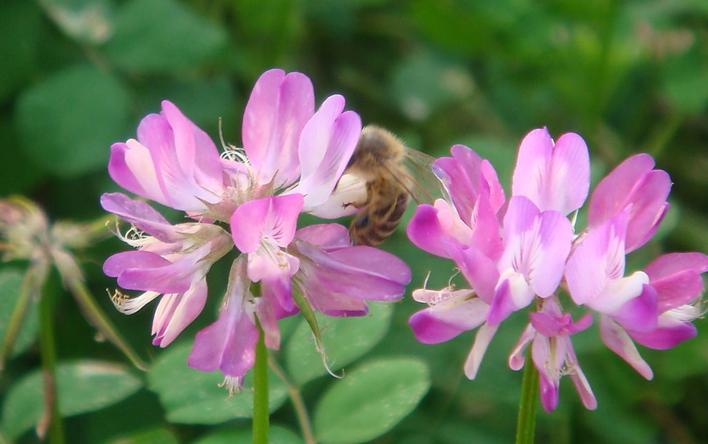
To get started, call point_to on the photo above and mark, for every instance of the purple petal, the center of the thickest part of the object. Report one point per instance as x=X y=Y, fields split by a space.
x=676 y=277
x=140 y=214
x=444 y=321
x=617 y=340
x=276 y=112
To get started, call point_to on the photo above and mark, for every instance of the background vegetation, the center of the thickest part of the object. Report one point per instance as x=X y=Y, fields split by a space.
x=78 y=74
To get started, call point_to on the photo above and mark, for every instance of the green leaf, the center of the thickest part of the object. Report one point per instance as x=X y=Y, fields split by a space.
x=160 y=36
x=19 y=22
x=193 y=397
x=371 y=400
x=149 y=436
x=276 y=435
x=82 y=386
x=345 y=340
x=10 y=283
x=68 y=121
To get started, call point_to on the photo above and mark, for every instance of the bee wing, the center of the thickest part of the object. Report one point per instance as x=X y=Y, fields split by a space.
x=422 y=184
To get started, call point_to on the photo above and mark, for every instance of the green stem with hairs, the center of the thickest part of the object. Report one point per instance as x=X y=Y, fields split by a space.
x=526 y=421
x=260 y=391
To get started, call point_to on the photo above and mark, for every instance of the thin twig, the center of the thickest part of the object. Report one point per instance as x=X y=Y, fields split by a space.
x=303 y=418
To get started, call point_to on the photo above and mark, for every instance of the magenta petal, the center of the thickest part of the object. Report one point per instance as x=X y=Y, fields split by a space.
x=517 y=357
x=502 y=305
x=140 y=214
x=640 y=313
x=280 y=291
x=665 y=337
x=617 y=340
x=676 y=277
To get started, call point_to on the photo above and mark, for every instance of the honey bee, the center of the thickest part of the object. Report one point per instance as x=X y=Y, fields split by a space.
x=393 y=174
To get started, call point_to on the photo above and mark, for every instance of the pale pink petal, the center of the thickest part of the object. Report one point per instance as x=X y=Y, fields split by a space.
x=547 y=256
x=349 y=192
x=273 y=216
x=676 y=277
x=517 y=356
x=276 y=112
x=325 y=236
x=548 y=370
x=446 y=320
x=570 y=175
x=532 y=166
x=481 y=342
x=598 y=259
x=326 y=145
x=121 y=173
x=617 y=340
x=178 y=312
x=582 y=386
x=618 y=293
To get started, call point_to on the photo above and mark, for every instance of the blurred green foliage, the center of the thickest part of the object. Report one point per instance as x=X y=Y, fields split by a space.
x=628 y=76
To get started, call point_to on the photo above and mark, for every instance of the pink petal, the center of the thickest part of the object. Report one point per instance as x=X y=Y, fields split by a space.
x=513 y=293
x=121 y=173
x=598 y=259
x=648 y=208
x=176 y=311
x=611 y=193
x=444 y=321
x=437 y=230
x=140 y=214
x=479 y=270
x=278 y=291
x=276 y=112
x=119 y=262
x=582 y=386
x=273 y=216
x=676 y=277
x=548 y=370
x=617 y=340
x=325 y=236
x=326 y=145
x=481 y=342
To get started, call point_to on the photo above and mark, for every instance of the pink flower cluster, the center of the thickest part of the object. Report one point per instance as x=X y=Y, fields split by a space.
x=524 y=252
x=249 y=198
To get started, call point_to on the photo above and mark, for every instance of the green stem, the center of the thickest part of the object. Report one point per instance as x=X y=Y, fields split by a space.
x=303 y=417
x=526 y=421
x=51 y=420
x=260 y=395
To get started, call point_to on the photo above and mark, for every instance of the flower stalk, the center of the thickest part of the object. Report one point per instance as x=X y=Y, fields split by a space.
x=50 y=424
x=526 y=420
x=260 y=391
